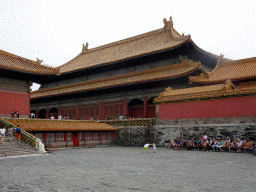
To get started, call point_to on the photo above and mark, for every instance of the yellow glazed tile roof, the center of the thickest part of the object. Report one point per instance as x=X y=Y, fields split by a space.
x=60 y=125
x=153 y=74
x=210 y=91
x=234 y=70
x=147 y=43
x=13 y=62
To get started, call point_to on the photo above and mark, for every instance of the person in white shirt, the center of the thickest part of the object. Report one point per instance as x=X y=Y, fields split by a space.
x=205 y=137
x=3 y=135
x=154 y=147
x=52 y=117
x=145 y=147
x=238 y=145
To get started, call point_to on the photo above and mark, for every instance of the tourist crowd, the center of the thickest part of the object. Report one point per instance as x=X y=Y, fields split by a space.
x=10 y=133
x=207 y=144
x=15 y=114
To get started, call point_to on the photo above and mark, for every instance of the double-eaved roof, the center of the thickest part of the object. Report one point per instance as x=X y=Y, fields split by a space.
x=13 y=62
x=159 y=73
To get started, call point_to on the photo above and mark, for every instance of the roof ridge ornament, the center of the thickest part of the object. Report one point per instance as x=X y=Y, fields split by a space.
x=85 y=48
x=228 y=85
x=168 y=25
x=39 y=61
x=221 y=59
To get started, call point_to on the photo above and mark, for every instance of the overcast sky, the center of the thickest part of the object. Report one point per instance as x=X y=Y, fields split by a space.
x=55 y=31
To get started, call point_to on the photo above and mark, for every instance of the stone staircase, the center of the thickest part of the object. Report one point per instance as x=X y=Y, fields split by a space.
x=15 y=148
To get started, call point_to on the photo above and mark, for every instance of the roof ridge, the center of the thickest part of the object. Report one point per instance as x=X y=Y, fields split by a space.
x=234 y=62
x=115 y=43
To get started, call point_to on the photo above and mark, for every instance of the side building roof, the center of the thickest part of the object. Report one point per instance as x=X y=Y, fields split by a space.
x=9 y=61
x=206 y=92
x=60 y=125
x=154 y=74
x=234 y=70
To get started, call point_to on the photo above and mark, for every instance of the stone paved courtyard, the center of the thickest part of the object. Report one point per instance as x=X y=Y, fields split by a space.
x=127 y=169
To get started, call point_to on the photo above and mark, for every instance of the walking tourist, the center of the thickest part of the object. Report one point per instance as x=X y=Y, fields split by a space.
x=3 y=134
x=154 y=147
x=10 y=134
x=18 y=132
x=145 y=147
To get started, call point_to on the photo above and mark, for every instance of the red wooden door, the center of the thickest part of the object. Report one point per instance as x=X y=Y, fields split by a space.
x=75 y=139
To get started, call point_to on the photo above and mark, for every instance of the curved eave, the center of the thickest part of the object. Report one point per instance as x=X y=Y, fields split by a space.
x=112 y=85
x=23 y=71
x=216 y=57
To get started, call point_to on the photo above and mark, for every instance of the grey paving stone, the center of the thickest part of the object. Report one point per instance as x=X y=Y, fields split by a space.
x=127 y=169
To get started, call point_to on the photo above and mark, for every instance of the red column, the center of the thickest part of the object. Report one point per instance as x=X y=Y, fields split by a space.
x=115 y=135
x=44 y=136
x=125 y=108
x=84 y=136
x=145 y=107
x=100 y=137
x=47 y=113
x=55 y=136
x=66 y=136
x=101 y=110
x=37 y=113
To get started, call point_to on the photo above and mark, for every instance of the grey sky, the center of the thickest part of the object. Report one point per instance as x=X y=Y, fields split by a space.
x=55 y=30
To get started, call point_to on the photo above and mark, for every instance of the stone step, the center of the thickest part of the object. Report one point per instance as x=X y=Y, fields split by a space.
x=15 y=148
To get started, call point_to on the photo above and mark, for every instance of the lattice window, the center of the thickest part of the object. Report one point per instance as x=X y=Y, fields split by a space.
x=95 y=135
x=60 y=136
x=104 y=135
x=88 y=136
x=51 y=136
x=70 y=136
x=110 y=135
x=80 y=136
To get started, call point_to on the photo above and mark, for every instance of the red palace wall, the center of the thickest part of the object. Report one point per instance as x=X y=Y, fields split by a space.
x=228 y=107
x=14 y=101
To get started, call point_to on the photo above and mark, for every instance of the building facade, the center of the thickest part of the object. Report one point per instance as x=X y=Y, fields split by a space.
x=122 y=78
